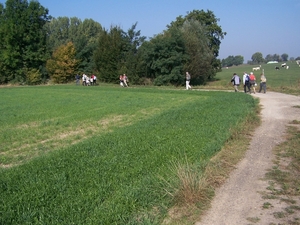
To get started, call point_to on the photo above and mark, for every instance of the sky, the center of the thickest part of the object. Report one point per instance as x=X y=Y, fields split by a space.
x=266 y=26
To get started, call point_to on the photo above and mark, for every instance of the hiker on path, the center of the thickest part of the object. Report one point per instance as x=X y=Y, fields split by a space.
x=263 y=83
x=252 y=80
x=246 y=82
x=235 y=80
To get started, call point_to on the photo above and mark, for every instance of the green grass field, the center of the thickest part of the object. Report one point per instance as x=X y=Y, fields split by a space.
x=283 y=80
x=106 y=155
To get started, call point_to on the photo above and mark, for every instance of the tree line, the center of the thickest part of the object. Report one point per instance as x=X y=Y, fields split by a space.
x=36 y=48
x=256 y=58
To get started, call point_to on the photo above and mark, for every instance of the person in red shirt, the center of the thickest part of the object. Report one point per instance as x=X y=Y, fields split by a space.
x=121 y=81
x=252 y=80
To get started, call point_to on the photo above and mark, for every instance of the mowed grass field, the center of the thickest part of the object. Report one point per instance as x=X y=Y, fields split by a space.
x=282 y=80
x=108 y=155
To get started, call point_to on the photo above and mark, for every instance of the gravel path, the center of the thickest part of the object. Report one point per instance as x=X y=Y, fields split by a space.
x=239 y=198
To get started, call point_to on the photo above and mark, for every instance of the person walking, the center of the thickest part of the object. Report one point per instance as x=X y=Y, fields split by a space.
x=121 y=81
x=246 y=82
x=252 y=80
x=236 y=80
x=187 y=81
x=125 y=79
x=92 y=80
x=263 y=83
x=84 y=79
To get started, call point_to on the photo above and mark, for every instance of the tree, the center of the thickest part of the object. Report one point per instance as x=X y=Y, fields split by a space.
x=83 y=34
x=57 y=33
x=85 y=42
x=257 y=58
x=233 y=60
x=164 y=57
x=214 y=32
x=117 y=52
x=108 y=54
x=63 y=64
x=238 y=60
x=268 y=58
x=197 y=47
x=274 y=57
x=190 y=43
x=22 y=38
x=229 y=61
x=130 y=55
x=210 y=22
x=284 y=57
x=169 y=55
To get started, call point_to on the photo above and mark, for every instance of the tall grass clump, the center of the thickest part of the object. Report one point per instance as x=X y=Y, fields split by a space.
x=189 y=185
x=120 y=168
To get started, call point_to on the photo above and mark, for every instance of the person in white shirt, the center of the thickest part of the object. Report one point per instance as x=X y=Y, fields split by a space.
x=187 y=81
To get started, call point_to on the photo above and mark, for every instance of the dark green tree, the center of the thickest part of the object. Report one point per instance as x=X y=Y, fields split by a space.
x=169 y=55
x=213 y=31
x=268 y=58
x=257 y=58
x=197 y=47
x=284 y=57
x=233 y=60
x=164 y=57
x=229 y=61
x=58 y=32
x=130 y=61
x=23 y=40
x=238 y=60
x=277 y=57
x=85 y=42
x=274 y=57
x=108 y=54
x=117 y=53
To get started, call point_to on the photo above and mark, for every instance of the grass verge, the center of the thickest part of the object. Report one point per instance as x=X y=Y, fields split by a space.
x=193 y=193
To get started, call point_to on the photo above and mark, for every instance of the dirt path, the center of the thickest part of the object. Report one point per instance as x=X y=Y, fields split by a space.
x=239 y=198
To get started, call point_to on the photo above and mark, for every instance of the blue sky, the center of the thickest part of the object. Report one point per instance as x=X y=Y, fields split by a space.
x=266 y=26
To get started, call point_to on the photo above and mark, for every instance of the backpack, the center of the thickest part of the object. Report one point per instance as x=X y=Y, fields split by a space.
x=247 y=78
x=252 y=77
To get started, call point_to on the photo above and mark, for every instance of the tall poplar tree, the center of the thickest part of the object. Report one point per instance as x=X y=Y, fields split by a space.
x=22 y=38
x=213 y=33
